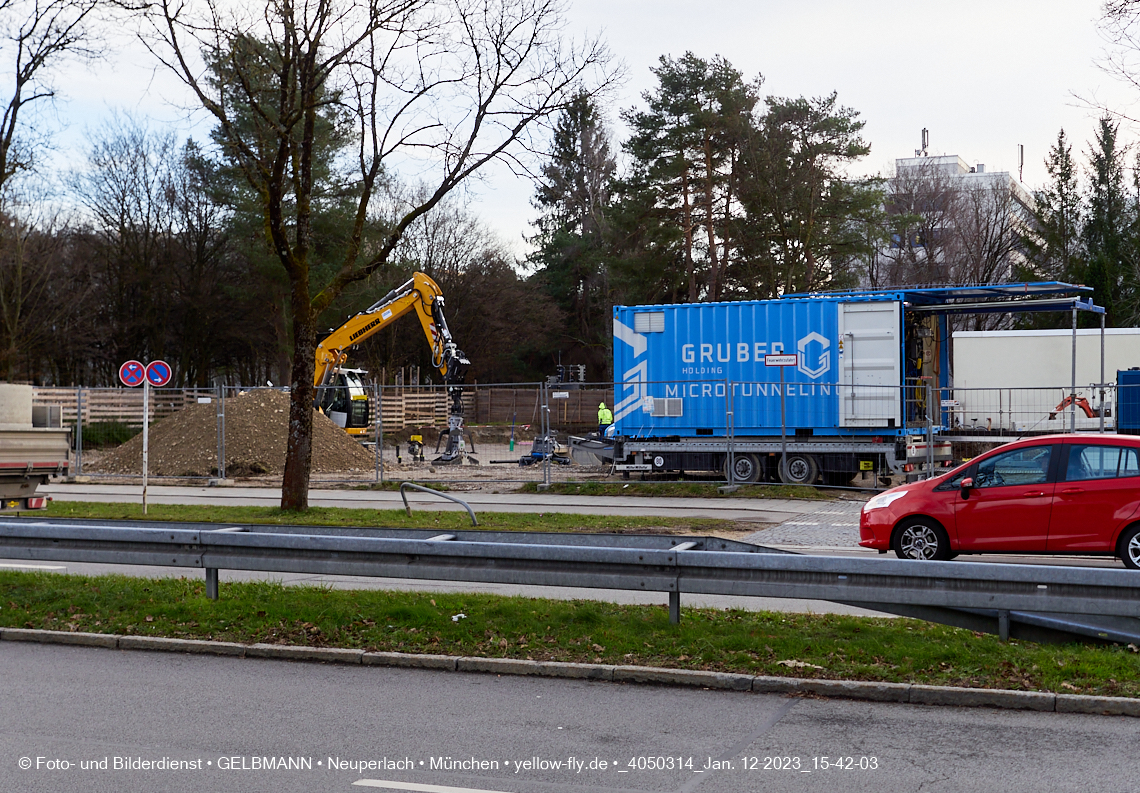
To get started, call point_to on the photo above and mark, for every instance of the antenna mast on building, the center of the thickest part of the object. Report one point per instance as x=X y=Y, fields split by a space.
x=925 y=144
x=1020 y=160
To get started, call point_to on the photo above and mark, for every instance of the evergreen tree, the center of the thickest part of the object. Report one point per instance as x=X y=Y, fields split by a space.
x=686 y=152
x=1053 y=245
x=574 y=195
x=806 y=222
x=1109 y=219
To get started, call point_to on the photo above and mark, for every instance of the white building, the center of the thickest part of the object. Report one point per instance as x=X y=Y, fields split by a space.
x=953 y=223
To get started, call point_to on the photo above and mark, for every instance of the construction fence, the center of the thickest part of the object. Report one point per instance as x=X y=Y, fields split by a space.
x=520 y=432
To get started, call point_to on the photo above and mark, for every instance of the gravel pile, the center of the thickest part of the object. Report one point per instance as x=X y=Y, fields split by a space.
x=257 y=423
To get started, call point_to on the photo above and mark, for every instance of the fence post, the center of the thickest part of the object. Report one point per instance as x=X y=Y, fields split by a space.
x=1073 y=392
x=549 y=439
x=929 y=433
x=379 y=390
x=220 y=417
x=729 y=420
x=1101 y=411
x=79 y=431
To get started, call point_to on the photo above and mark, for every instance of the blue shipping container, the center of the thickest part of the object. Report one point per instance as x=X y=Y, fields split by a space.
x=682 y=369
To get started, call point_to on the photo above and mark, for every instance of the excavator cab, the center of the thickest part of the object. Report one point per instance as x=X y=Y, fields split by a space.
x=345 y=401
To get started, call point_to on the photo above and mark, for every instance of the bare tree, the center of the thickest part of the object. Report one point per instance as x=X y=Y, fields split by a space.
x=921 y=204
x=955 y=228
x=436 y=87
x=37 y=35
x=31 y=245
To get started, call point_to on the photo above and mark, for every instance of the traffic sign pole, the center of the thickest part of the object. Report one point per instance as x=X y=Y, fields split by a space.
x=146 y=434
x=780 y=361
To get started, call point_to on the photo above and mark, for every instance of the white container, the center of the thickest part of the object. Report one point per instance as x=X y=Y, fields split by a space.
x=1016 y=379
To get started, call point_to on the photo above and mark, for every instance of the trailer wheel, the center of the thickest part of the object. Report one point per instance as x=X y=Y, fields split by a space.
x=799 y=469
x=745 y=468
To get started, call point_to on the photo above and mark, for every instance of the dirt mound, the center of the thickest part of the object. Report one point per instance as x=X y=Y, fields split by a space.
x=257 y=423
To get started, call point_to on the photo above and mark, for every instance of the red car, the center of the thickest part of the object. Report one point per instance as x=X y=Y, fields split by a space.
x=1071 y=494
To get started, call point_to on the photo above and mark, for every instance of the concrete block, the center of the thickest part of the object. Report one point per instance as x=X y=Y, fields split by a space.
x=1109 y=706
x=410 y=660
x=200 y=646
x=777 y=685
x=858 y=689
x=106 y=640
x=499 y=666
x=983 y=697
x=577 y=671
x=295 y=653
x=683 y=677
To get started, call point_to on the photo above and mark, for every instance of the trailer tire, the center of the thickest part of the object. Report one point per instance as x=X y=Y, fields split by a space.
x=799 y=469
x=745 y=468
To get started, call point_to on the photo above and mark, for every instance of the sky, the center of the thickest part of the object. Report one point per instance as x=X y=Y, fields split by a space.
x=983 y=76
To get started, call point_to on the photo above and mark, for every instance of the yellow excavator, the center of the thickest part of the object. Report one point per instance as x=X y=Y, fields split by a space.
x=340 y=391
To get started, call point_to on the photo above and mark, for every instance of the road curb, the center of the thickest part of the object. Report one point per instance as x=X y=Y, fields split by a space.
x=914 y=694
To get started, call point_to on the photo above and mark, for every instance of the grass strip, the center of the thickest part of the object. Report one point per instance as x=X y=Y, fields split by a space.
x=761 y=643
x=421 y=518
x=675 y=490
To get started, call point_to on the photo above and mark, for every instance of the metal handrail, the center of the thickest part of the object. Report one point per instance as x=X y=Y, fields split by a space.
x=422 y=489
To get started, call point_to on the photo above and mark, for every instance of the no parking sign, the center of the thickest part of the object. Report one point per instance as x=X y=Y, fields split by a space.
x=132 y=373
x=158 y=373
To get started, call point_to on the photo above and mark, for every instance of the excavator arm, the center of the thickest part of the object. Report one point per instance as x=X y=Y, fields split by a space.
x=423 y=296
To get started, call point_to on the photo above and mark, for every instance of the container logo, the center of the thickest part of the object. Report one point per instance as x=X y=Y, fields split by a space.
x=824 y=360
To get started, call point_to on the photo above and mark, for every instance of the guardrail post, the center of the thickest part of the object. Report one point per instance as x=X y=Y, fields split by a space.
x=675 y=607
x=1003 y=625
x=212 y=583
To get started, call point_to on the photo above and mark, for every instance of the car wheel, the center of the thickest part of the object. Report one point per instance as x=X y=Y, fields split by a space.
x=922 y=539
x=1130 y=547
x=799 y=469
x=745 y=468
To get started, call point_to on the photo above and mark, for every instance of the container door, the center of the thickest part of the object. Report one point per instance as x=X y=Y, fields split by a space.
x=869 y=373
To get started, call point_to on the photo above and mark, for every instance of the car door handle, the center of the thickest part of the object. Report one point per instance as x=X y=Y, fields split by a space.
x=1033 y=494
x=1073 y=490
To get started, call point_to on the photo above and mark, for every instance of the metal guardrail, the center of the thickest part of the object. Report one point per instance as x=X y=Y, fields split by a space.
x=404 y=486
x=954 y=585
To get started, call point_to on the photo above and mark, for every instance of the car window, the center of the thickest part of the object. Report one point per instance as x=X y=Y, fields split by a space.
x=1089 y=461
x=1025 y=466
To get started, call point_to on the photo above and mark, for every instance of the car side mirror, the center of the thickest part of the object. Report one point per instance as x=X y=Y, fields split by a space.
x=966 y=486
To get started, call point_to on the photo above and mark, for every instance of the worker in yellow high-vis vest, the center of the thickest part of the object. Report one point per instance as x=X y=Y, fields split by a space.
x=605 y=418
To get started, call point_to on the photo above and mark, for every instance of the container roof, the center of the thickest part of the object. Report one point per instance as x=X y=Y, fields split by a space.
x=984 y=298
x=942 y=294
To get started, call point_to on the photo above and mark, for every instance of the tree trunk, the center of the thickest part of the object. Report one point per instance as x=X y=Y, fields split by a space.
x=687 y=220
x=714 y=268
x=299 y=455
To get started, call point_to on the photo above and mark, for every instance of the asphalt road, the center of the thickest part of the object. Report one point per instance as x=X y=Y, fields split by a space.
x=66 y=711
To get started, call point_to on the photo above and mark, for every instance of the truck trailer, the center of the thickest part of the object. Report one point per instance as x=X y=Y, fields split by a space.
x=860 y=389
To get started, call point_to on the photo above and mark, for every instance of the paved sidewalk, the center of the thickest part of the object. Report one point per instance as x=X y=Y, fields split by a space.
x=759 y=510
x=833 y=524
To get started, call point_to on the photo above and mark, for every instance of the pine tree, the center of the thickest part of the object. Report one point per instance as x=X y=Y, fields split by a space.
x=1109 y=218
x=1053 y=246
x=685 y=149
x=574 y=195
x=806 y=223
